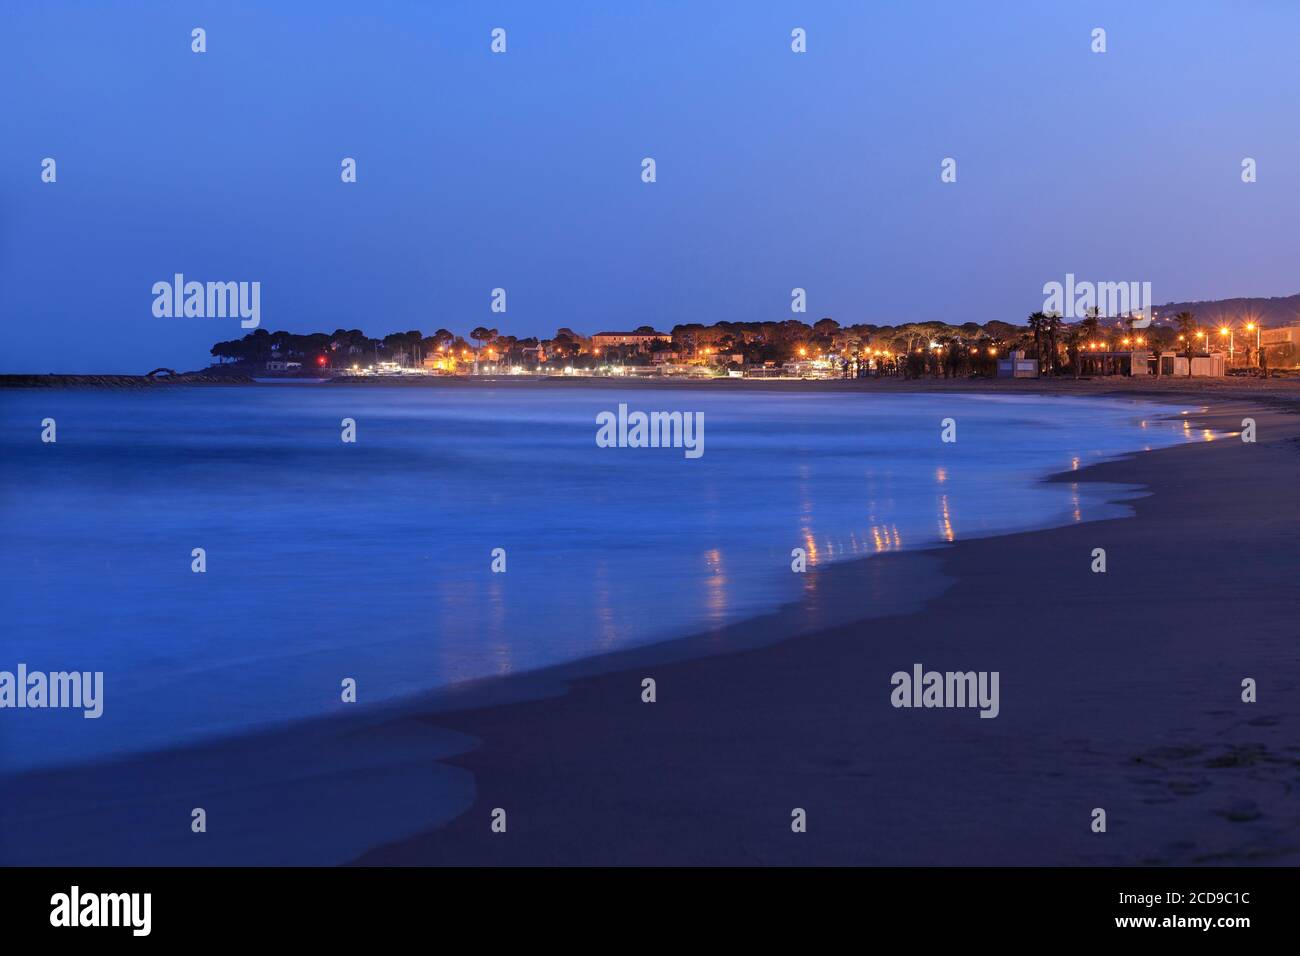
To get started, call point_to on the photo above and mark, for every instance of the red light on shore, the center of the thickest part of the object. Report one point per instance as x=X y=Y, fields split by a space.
x=321 y=360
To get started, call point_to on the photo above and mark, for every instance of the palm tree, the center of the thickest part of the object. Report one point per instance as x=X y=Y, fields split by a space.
x=1037 y=324
x=1187 y=326
x=1091 y=323
x=1052 y=329
x=1073 y=338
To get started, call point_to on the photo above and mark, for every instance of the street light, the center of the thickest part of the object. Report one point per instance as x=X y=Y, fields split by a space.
x=1255 y=327
x=1232 y=341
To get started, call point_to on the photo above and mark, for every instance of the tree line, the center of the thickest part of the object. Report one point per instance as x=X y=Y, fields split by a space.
x=953 y=349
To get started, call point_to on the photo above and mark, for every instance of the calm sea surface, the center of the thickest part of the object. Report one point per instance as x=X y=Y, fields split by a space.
x=372 y=560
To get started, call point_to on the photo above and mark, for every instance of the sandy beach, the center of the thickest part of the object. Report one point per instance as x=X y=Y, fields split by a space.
x=1119 y=691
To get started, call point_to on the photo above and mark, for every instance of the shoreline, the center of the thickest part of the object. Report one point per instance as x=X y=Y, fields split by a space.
x=502 y=735
x=53 y=380
x=1238 y=388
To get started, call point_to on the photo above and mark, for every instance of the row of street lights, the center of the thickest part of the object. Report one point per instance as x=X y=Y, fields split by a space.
x=1227 y=330
x=1230 y=332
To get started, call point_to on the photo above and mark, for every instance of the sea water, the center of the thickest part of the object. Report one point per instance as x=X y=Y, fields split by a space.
x=372 y=560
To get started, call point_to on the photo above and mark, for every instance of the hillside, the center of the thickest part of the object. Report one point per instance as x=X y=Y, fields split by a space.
x=1282 y=310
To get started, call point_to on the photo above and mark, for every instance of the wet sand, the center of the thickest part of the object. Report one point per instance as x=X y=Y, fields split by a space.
x=1119 y=690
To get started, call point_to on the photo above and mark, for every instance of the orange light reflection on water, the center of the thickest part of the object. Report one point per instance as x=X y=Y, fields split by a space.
x=715 y=584
x=945 y=519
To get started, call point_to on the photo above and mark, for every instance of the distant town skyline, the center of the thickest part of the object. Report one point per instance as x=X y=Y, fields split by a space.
x=523 y=170
x=1285 y=312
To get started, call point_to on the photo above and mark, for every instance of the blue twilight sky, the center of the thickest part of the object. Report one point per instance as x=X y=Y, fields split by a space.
x=522 y=170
